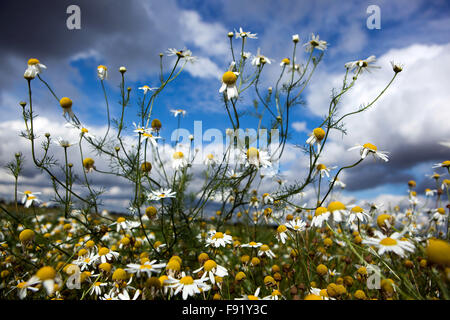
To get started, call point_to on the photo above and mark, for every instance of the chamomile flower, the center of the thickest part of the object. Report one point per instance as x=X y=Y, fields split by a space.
x=259 y=59
x=48 y=277
x=443 y=164
x=161 y=194
x=34 y=68
x=282 y=233
x=337 y=210
x=146 y=89
x=125 y=296
x=97 y=288
x=285 y=62
x=323 y=170
x=242 y=34
x=338 y=182
x=212 y=269
x=267 y=198
x=369 y=148
x=358 y=213
x=445 y=184
x=210 y=160
x=179 y=161
x=264 y=251
x=187 y=285
x=177 y=112
x=102 y=72
x=275 y=295
x=361 y=65
x=30 y=197
x=440 y=215
x=296 y=224
x=66 y=105
x=63 y=142
x=320 y=216
x=85 y=261
x=430 y=192
x=316 y=137
x=257 y=158
x=182 y=54
x=391 y=243
x=218 y=239
x=315 y=43
x=23 y=287
x=104 y=255
x=251 y=244
x=147 y=267
x=229 y=87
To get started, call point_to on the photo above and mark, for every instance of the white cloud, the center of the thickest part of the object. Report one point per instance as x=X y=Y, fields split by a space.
x=300 y=126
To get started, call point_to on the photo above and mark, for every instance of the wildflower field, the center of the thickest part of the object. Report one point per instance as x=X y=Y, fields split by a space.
x=200 y=225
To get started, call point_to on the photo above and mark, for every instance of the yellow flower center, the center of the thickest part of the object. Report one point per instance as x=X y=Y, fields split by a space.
x=319 y=133
x=229 y=78
x=27 y=192
x=336 y=205
x=252 y=297
x=319 y=211
x=33 y=61
x=210 y=156
x=178 y=155
x=321 y=167
x=388 y=242
x=103 y=251
x=441 y=211
x=187 y=280
x=446 y=164
x=209 y=265
x=357 y=209
x=102 y=67
x=252 y=153
x=120 y=220
x=217 y=235
x=282 y=228
x=46 y=273
x=65 y=103
x=286 y=61
x=22 y=285
x=370 y=146
x=264 y=247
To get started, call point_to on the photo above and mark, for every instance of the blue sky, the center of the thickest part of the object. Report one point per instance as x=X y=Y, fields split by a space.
x=133 y=33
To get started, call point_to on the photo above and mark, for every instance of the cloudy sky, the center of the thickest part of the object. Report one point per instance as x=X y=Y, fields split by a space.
x=410 y=121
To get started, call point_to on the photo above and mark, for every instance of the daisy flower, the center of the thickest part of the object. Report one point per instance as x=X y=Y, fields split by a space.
x=23 y=287
x=176 y=112
x=30 y=197
x=104 y=255
x=439 y=215
x=357 y=213
x=390 y=244
x=443 y=164
x=397 y=67
x=296 y=225
x=187 y=285
x=260 y=59
x=285 y=62
x=102 y=72
x=251 y=244
x=147 y=267
x=48 y=277
x=161 y=194
x=321 y=214
x=282 y=233
x=323 y=170
x=147 y=89
x=66 y=105
x=338 y=182
x=445 y=184
x=84 y=261
x=315 y=43
x=361 y=65
x=218 y=239
x=97 y=288
x=229 y=83
x=429 y=192
x=178 y=160
x=212 y=269
x=34 y=68
x=267 y=198
x=316 y=137
x=264 y=250
x=182 y=54
x=257 y=158
x=337 y=210
x=369 y=148
x=125 y=296
x=275 y=295
x=125 y=225
x=243 y=35
x=210 y=160
x=64 y=143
